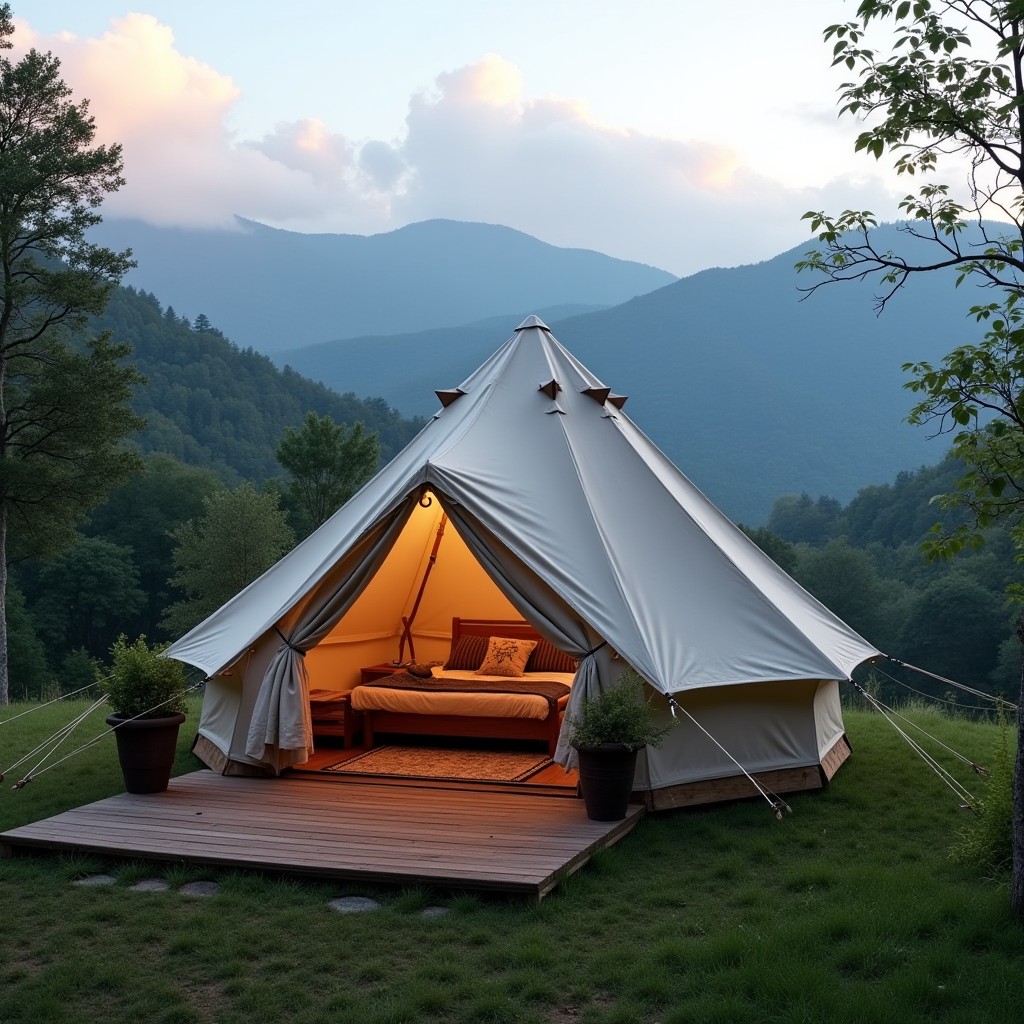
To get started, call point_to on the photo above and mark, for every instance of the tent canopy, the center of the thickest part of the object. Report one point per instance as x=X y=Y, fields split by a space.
x=533 y=456
x=559 y=510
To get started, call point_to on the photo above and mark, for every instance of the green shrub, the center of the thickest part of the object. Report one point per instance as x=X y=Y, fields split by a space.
x=618 y=715
x=986 y=843
x=141 y=683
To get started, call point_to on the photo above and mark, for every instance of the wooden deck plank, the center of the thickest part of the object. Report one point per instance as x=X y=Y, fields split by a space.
x=266 y=820
x=327 y=828
x=382 y=843
x=380 y=851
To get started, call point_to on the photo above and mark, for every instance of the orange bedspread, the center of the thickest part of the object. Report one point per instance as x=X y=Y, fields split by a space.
x=472 y=705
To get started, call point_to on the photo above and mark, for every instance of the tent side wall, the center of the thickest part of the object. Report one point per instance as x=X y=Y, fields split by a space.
x=784 y=733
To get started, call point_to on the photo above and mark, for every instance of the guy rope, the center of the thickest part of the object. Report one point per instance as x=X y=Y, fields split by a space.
x=894 y=718
x=775 y=802
x=54 y=741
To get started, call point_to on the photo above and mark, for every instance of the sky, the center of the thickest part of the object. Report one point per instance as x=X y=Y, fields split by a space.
x=680 y=133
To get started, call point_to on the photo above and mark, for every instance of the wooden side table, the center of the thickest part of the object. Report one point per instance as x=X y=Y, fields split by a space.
x=371 y=673
x=333 y=715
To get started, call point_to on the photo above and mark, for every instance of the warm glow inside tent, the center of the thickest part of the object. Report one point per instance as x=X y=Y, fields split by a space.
x=531 y=495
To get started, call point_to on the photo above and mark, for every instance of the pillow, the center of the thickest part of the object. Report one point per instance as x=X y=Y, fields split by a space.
x=506 y=657
x=548 y=658
x=419 y=670
x=468 y=653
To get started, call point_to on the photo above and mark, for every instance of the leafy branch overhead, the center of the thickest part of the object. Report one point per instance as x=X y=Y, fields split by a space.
x=949 y=87
x=975 y=395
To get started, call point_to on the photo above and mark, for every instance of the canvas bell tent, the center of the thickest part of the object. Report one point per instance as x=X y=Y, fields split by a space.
x=531 y=495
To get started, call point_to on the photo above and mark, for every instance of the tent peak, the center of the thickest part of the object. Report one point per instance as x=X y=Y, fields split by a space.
x=533 y=321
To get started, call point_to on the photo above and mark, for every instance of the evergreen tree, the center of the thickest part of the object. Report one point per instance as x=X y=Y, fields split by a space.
x=63 y=401
x=328 y=463
x=30 y=671
x=780 y=551
x=141 y=515
x=87 y=594
x=241 y=534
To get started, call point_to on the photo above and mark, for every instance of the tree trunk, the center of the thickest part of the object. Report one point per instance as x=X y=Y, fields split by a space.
x=5 y=690
x=1017 y=882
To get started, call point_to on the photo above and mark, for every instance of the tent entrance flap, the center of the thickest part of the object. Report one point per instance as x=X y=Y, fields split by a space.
x=281 y=731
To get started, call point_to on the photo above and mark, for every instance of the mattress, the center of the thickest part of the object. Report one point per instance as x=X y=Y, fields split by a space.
x=469 y=705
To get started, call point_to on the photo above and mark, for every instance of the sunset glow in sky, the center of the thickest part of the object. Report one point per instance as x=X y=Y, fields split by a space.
x=675 y=132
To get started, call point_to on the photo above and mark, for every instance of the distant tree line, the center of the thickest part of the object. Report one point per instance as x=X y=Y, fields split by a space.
x=865 y=562
x=165 y=550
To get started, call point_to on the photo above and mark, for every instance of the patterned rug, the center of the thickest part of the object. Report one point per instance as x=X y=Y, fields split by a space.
x=437 y=763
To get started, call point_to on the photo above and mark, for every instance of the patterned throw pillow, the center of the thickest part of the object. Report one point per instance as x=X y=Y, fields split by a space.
x=506 y=657
x=548 y=658
x=468 y=653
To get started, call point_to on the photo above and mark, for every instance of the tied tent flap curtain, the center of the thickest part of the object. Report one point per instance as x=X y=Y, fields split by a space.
x=281 y=731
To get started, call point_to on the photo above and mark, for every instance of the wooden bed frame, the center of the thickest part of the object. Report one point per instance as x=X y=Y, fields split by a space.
x=545 y=730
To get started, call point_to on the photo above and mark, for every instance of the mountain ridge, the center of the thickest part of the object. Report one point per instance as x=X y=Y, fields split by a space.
x=275 y=290
x=751 y=387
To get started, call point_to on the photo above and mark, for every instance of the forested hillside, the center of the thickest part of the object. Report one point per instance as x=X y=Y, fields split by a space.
x=215 y=415
x=210 y=403
x=864 y=561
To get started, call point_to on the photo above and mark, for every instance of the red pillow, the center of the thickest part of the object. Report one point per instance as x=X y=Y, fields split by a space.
x=468 y=654
x=548 y=658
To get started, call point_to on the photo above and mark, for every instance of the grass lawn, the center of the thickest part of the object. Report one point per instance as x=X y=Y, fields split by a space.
x=848 y=910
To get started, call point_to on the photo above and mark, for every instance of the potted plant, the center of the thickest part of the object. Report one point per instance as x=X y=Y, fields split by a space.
x=607 y=734
x=145 y=692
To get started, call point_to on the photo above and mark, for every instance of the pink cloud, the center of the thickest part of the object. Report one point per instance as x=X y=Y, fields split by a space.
x=476 y=147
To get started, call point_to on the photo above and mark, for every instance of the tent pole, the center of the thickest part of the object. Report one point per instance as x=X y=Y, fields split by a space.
x=407 y=620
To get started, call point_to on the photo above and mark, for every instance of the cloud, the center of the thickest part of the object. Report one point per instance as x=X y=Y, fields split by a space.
x=546 y=166
x=170 y=113
x=308 y=146
x=476 y=147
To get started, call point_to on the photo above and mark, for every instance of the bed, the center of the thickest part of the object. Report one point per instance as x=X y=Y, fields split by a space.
x=450 y=702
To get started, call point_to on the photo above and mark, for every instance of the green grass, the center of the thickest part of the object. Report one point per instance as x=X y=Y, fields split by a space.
x=850 y=909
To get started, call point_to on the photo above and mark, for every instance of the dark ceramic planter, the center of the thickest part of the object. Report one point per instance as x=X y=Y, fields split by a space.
x=606 y=778
x=146 y=748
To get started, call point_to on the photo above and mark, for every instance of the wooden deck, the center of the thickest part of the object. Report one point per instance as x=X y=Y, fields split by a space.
x=453 y=838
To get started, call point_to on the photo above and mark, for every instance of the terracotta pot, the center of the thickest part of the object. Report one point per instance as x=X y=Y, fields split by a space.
x=606 y=778
x=146 y=748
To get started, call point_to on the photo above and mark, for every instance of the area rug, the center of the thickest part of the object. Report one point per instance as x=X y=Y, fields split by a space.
x=438 y=763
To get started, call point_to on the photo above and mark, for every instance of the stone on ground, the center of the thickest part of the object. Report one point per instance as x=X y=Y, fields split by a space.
x=150 y=885
x=353 y=904
x=199 y=889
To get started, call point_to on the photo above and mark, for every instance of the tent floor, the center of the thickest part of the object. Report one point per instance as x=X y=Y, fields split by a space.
x=314 y=826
